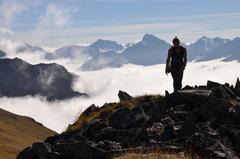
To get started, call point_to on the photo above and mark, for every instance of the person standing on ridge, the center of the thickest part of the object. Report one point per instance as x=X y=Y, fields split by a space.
x=176 y=63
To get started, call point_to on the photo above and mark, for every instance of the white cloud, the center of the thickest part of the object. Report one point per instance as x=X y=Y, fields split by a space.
x=9 y=9
x=103 y=87
x=5 y=31
x=55 y=16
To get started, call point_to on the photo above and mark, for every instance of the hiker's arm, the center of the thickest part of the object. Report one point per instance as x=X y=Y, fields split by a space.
x=168 y=61
x=185 y=57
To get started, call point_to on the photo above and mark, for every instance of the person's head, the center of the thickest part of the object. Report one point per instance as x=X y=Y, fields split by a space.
x=176 y=42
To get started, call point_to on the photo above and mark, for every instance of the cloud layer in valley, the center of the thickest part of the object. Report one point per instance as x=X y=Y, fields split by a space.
x=103 y=87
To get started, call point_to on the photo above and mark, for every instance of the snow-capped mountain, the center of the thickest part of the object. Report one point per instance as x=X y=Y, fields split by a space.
x=29 y=48
x=202 y=47
x=229 y=50
x=84 y=53
x=67 y=52
x=149 y=51
x=152 y=50
x=106 y=45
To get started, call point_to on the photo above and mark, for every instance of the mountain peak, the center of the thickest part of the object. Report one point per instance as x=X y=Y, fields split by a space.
x=149 y=37
x=106 y=45
x=204 y=38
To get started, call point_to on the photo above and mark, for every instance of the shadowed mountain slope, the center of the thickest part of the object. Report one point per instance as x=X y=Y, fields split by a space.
x=19 y=78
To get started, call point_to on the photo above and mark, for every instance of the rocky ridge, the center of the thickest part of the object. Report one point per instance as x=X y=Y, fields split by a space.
x=201 y=121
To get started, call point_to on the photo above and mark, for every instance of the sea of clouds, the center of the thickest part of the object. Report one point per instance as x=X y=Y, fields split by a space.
x=103 y=87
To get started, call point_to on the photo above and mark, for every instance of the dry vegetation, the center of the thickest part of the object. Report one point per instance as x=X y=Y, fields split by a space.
x=18 y=132
x=107 y=109
x=154 y=155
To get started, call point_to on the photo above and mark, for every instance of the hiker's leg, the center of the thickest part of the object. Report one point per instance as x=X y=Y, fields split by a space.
x=180 y=77
x=175 y=83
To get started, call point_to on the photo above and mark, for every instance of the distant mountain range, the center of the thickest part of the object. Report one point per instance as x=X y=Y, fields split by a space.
x=19 y=78
x=148 y=51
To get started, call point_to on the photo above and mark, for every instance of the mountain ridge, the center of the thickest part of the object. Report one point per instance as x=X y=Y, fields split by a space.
x=150 y=50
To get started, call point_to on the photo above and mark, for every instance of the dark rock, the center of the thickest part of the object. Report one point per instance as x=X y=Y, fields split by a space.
x=211 y=84
x=207 y=130
x=212 y=108
x=187 y=87
x=223 y=91
x=123 y=96
x=234 y=114
x=189 y=127
x=39 y=151
x=166 y=93
x=94 y=128
x=168 y=133
x=122 y=119
x=207 y=147
x=108 y=145
x=80 y=150
x=91 y=109
x=237 y=88
x=66 y=136
x=112 y=134
x=125 y=118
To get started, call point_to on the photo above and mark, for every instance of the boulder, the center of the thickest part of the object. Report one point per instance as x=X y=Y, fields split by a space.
x=237 y=88
x=125 y=118
x=123 y=96
x=207 y=147
x=91 y=109
x=108 y=145
x=223 y=91
x=80 y=150
x=39 y=151
x=211 y=84
x=93 y=129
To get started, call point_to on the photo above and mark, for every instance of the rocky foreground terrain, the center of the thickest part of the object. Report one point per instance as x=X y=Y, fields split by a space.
x=200 y=121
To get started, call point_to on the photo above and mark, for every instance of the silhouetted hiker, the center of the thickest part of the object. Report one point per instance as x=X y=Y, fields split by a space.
x=176 y=63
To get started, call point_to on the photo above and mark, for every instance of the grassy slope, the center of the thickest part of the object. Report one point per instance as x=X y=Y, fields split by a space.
x=160 y=155
x=18 y=132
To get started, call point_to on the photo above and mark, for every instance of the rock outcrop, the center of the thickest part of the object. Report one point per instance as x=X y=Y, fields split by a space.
x=202 y=121
x=19 y=78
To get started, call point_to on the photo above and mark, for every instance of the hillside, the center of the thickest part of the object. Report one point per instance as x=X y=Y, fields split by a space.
x=17 y=132
x=19 y=78
x=200 y=121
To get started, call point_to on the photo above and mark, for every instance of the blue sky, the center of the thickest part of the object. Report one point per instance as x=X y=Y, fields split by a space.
x=54 y=23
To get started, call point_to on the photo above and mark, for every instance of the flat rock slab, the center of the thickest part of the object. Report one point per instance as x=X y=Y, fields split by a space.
x=196 y=92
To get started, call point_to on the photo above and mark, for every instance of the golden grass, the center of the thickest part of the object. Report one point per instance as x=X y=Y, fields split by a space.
x=18 y=132
x=154 y=155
